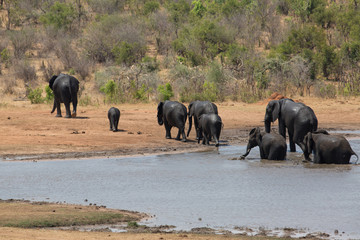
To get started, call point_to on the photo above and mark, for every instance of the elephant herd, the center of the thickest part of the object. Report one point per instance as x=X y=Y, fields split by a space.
x=301 y=124
x=299 y=120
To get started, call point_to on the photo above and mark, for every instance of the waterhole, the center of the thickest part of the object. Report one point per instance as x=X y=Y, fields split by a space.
x=207 y=189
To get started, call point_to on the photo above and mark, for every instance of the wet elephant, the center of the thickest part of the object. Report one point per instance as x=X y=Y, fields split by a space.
x=272 y=146
x=210 y=125
x=65 y=89
x=196 y=109
x=172 y=114
x=328 y=148
x=298 y=118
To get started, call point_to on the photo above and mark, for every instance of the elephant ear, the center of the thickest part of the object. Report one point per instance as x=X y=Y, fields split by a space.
x=258 y=135
x=160 y=108
x=275 y=110
x=52 y=80
x=252 y=131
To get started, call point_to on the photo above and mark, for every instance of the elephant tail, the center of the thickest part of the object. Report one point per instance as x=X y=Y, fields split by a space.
x=53 y=107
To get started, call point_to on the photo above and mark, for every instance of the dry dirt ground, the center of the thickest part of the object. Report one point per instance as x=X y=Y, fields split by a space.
x=30 y=132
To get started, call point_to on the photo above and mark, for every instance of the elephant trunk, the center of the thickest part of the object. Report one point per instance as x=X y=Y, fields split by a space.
x=53 y=107
x=190 y=125
x=248 y=149
x=267 y=126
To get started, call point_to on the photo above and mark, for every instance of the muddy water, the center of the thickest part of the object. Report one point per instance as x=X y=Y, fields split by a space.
x=201 y=189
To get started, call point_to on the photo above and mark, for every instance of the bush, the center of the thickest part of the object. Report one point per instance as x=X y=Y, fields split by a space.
x=111 y=91
x=165 y=92
x=34 y=95
x=5 y=57
x=128 y=53
x=25 y=71
x=60 y=15
x=150 y=7
x=325 y=90
x=210 y=91
x=49 y=94
x=22 y=41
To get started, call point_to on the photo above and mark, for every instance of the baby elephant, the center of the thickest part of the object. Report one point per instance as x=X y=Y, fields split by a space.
x=328 y=148
x=210 y=125
x=272 y=146
x=114 y=116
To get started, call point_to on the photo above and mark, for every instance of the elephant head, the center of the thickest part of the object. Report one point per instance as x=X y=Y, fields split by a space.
x=254 y=140
x=271 y=114
x=309 y=141
x=51 y=81
x=160 y=113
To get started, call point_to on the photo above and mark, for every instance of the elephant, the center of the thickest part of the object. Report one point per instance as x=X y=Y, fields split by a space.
x=272 y=145
x=210 y=125
x=196 y=109
x=328 y=148
x=114 y=116
x=172 y=114
x=298 y=118
x=65 y=89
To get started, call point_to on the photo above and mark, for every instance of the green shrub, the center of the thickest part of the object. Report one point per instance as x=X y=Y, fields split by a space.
x=60 y=15
x=140 y=93
x=210 y=91
x=5 y=57
x=150 y=7
x=34 y=95
x=128 y=53
x=165 y=92
x=49 y=94
x=111 y=91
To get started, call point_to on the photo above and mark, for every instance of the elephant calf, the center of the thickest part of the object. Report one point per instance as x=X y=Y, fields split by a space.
x=114 y=116
x=210 y=125
x=328 y=148
x=272 y=145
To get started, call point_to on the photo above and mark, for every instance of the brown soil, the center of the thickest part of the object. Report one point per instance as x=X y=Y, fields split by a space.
x=31 y=132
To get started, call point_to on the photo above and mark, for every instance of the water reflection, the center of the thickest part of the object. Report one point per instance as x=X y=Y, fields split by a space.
x=201 y=189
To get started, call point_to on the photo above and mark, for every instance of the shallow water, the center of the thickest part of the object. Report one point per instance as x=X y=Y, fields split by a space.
x=201 y=189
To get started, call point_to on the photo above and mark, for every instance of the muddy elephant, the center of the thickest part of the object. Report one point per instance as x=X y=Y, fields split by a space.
x=328 y=148
x=114 y=116
x=196 y=109
x=210 y=125
x=272 y=145
x=298 y=118
x=172 y=114
x=65 y=89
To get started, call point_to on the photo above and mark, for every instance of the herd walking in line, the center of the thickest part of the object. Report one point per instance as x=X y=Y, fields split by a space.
x=299 y=120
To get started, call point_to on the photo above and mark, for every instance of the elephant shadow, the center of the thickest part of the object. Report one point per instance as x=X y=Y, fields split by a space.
x=81 y=117
x=121 y=130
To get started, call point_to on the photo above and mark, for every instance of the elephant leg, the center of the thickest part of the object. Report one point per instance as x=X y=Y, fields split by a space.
x=178 y=135
x=110 y=122
x=67 y=107
x=74 y=102
x=291 y=141
x=282 y=128
x=183 y=134
x=198 y=131
x=116 y=123
x=58 y=109
x=168 y=130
